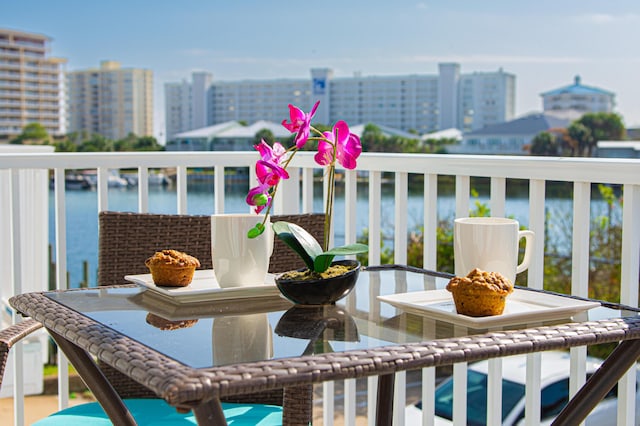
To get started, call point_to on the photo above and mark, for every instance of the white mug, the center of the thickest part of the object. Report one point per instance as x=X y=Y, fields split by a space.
x=490 y=244
x=237 y=259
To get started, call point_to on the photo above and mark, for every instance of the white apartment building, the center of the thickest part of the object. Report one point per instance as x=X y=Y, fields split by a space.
x=186 y=104
x=425 y=103
x=31 y=84
x=578 y=97
x=111 y=101
x=178 y=110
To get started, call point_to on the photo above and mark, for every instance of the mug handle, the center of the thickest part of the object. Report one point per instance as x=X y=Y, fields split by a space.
x=529 y=237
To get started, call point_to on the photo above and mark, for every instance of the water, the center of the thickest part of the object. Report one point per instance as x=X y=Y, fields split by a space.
x=82 y=218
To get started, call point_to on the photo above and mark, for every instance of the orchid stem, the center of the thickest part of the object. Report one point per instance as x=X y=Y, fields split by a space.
x=329 y=209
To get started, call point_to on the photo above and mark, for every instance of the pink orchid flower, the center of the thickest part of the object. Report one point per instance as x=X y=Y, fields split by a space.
x=347 y=147
x=268 y=169
x=270 y=173
x=300 y=123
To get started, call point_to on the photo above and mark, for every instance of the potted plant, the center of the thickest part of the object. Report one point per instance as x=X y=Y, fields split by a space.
x=323 y=280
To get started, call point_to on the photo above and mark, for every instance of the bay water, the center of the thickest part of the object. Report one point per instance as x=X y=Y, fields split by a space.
x=82 y=218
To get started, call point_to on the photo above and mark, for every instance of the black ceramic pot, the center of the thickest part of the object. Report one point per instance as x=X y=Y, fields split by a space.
x=322 y=291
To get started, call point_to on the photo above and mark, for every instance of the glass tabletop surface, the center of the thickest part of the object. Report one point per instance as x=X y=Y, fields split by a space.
x=230 y=331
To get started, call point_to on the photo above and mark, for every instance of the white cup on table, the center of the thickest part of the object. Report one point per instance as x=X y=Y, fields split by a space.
x=237 y=259
x=490 y=244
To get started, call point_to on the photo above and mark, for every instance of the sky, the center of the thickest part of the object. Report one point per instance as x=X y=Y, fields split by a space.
x=544 y=43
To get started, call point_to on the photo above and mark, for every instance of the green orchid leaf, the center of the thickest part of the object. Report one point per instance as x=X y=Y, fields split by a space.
x=299 y=240
x=348 y=249
x=322 y=262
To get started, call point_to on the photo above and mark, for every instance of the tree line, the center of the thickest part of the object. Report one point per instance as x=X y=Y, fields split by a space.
x=580 y=139
x=374 y=140
x=36 y=134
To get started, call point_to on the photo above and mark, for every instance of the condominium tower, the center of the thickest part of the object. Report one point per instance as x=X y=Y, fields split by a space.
x=31 y=84
x=111 y=101
x=424 y=103
x=186 y=104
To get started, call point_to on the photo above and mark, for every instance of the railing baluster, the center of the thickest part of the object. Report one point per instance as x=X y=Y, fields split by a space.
x=350 y=207
x=429 y=236
x=181 y=189
x=463 y=188
x=143 y=190
x=307 y=190
x=537 y=218
x=400 y=216
x=16 y=267
x=629 y=277
x=375 y=197
x=102 y=174
x=218 y=189
x=498 y=196
x=580 y=272
x=61 y=276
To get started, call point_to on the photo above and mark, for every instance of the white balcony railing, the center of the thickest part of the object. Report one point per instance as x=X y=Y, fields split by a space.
x=536 y=172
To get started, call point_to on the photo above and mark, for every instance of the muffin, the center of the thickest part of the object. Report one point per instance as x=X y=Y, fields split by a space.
x=172 y=268
x=480 y=293
x=165 y=324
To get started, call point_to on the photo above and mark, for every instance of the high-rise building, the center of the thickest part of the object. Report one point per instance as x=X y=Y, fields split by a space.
x=186 y=104
x=178 y=110
x=31 y=84
x=111 y=101
x=424 y=103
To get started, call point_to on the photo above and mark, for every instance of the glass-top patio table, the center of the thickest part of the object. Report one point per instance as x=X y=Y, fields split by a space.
x=194 y=352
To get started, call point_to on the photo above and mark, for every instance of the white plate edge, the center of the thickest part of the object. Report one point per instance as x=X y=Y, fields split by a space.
x=553 y=312
x=218 y=293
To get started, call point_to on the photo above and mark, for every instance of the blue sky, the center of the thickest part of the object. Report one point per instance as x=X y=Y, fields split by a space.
x=545 y=43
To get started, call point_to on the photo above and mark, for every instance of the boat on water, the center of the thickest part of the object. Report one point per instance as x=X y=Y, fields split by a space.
x=114 y=180
x=73 y=182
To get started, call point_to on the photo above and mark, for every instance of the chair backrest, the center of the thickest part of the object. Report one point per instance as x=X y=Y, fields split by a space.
x=126 y=240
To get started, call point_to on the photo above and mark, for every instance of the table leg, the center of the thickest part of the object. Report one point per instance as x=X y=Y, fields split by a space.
x=600 y=383
x=297 y=405
x=96 y=381
x=384 y=413
x=210 y=413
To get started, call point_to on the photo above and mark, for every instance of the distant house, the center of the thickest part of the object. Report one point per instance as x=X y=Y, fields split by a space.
x=578 y=97
x=233 y=136
x=228 y=136
x=199 y=139
x=386 y=131
x=512 y=137
x=618 y=149
x=444 y=134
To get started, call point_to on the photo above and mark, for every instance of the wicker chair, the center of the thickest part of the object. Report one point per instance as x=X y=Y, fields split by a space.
x=151 y=410
x=127 y=239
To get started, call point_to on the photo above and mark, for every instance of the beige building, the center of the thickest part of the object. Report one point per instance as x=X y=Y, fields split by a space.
x=111 y=101
x=31 y=84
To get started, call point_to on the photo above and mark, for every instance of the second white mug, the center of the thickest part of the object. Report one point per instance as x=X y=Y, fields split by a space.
x=237 y=259
x=491 y=244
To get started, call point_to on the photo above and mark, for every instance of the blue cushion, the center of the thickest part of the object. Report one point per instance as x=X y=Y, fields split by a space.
x=158 y=412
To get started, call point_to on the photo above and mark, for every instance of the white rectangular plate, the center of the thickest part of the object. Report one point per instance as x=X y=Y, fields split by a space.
x=522 y=307
x=205 y=287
